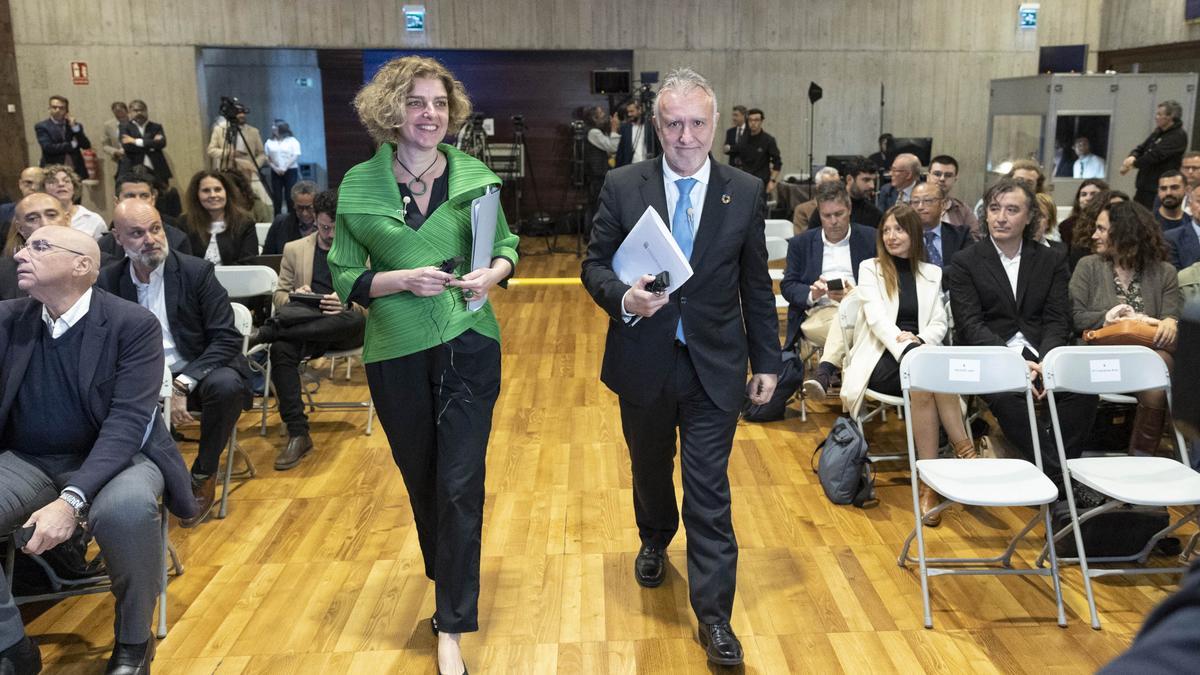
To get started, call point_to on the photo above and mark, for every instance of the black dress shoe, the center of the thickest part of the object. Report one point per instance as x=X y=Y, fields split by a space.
x=290 y=456
x=22 y=658
x=129 y=659
x=650 y=567
x=720 y=644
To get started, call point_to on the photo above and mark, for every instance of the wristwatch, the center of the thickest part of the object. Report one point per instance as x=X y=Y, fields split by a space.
x=77 y=503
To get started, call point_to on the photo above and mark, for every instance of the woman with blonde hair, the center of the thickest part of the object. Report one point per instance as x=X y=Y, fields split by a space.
x=433 y=364
x=902 y=309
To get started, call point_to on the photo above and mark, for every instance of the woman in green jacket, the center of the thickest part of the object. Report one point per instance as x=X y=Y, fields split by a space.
x=433 y=366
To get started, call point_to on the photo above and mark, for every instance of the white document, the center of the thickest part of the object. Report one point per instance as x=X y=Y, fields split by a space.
x=649 y=248
x=963 y=370
x=1105 y=370
x=484 y=212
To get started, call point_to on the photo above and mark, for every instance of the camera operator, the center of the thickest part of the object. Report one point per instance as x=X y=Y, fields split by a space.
x=234 y=144
x=601 y=144
x=637 y=137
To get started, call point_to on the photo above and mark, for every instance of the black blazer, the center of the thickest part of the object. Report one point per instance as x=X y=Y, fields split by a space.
x=1161 y=151
x=731 y=140
x=954 y=239
x=728 y=307
x=625 y=146
x=177 y=240
x=233 y=251
x=805 y=256
x=198 y=312
x=55 y=140
x=284 y=229
x=136 y=156
x=120 y=375
x=985 y=312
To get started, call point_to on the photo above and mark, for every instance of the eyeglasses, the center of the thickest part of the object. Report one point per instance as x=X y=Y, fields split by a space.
x=301 y=207
x=40 y=246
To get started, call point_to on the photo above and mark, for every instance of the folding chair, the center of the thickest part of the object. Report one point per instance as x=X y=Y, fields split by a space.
x=1123 y=480
x=778 y=229
x=262 y=229
x=252 y=281
x=981 y=481
x=849 y=313
x=368 y=405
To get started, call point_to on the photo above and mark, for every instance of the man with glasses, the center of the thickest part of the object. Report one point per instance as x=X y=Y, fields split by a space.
x=294 y=225
x=91 y=364
x=943 y=170
x=942 y=240
x=906 y=169
x=34 y=211
x=304 y=328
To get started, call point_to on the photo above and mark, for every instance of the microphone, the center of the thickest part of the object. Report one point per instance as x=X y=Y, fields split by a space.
x=407 y=201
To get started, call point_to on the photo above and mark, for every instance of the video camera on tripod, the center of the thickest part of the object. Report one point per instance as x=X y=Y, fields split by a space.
x=231 y=107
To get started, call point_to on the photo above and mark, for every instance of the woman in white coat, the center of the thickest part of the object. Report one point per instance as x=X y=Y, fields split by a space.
x=902 y=309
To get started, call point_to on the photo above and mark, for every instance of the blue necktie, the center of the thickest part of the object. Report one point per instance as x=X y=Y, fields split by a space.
x=931 y=251
x=682 y=228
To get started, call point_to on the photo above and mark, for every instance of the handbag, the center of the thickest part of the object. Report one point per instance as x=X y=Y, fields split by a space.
x=1124 y=332
x=845 y=472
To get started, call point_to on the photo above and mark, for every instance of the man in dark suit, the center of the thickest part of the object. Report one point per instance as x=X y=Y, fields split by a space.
x=942 y=240
x=1184 y=242
x=1007 y=290
x=143 y=142
x=906 y=171
x=297 y=223
x=61 y=137
x=637 y=137
x=830 y=253
x=735 y=134
x=138 y=183
x=90 y=364
x=678 y=361
x=201 y=345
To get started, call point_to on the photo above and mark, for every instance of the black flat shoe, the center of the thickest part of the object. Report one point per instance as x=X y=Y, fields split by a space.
x=720 y=644
x=650 y=567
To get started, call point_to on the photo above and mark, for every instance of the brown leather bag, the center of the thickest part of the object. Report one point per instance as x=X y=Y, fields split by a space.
x=1124 y=332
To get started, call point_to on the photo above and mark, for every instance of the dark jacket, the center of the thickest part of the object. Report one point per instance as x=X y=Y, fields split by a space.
x=731 y=139
x=285 y=228
x=954 y=240
x=136 y=155
x=233 y=251
x=804 y=259
x=120 y=375
x=198 y=312
x=1161 y=151
x=727 y=306
x=625 y=147
x=1183 y=245
x=55 y=140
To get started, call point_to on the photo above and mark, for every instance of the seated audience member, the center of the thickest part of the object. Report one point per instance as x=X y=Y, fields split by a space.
x=1047 y=234
x=202 y=347
x=860 y=183
x=138 y=183
x=1183 y=243
x=1189 y=282
x=62 y=183
x=906 y=171
x=1128 y=277
x=299 y=330
x=218 y=229
x=816 y=257
x=801 y=214
x=83 y=439
x=1085 y=226
x=29 y=182
x=35 y=211
x=1008 y=291
x=1030 y=173
x=943 y=170
x=1171 y=191
x=941 y=240
x=298 y=222
x=902 y=308
x=246 y=197
x=1087 y=190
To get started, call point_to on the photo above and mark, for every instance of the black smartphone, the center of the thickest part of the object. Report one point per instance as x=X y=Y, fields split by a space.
x=22 y=536
x=449 y=264
x=835 y=285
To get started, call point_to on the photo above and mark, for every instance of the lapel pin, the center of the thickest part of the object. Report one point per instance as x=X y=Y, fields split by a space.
x=725 y=199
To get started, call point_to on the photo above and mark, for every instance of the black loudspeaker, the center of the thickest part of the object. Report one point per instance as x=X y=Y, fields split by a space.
x=814 y=92
x=1185 y=395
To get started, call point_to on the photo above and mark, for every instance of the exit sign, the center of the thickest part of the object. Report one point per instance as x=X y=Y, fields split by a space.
x=79 y=72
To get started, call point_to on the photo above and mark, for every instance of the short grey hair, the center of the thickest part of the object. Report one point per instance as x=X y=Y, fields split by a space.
x=1173 y=109
x=827 y=173
x=681 y=81
x=304 y=187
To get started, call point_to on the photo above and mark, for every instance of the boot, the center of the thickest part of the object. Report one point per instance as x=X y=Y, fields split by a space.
x=1147 y=430
x=929 y=501
x=965 y=449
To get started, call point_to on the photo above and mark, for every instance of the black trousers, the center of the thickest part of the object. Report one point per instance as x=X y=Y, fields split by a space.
x=705 y=440
x=309 y=338
x=436 y=409
x=1076 y=413
x=220 y=397
x=1146 y=197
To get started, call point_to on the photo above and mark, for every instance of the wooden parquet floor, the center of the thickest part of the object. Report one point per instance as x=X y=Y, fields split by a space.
x=317 y=570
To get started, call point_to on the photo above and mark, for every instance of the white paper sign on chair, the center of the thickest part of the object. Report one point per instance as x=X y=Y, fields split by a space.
x=964 y=370
x=1105 y=370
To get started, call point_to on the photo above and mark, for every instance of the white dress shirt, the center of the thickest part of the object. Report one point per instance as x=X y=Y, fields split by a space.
x=282 y=154
x=141 y=142
x=1088 y=166
x=151 y=296
x=836 y=263
x=89 y=222
x=1012 y=269
x=637 y=136
x=70 y=317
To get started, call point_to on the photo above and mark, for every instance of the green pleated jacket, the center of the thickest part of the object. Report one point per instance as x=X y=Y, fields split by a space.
x=371 y=227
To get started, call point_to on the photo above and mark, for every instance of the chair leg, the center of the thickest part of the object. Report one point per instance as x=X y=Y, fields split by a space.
x=1054 y=571
x=924 y=570
x=370 y=414
x=1079 y=550
x=162 y=595
x=266 y=397
x=229 y=458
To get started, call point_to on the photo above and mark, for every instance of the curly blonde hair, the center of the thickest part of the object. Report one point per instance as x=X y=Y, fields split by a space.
x=51 y=172
x=380 y=103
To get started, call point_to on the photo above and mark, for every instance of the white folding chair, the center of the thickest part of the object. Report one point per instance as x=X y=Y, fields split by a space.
x=1123 y=480
x=777 y=248
x=849 y=315
x=262 y=229
x=367 y=405
x=779 y=227
x=981 y=481
x=252 y=281
x=243 y=322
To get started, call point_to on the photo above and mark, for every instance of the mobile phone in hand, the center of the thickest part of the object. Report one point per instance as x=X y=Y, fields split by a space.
x=835 y=285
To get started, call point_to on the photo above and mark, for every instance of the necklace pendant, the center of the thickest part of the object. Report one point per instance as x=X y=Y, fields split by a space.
x=412 y=187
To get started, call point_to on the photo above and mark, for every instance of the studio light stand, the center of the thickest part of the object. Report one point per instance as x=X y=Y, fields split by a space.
x=814 y=94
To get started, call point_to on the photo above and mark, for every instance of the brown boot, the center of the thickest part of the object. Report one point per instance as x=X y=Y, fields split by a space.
x=929 y=501
x=965 y=449
x=1147 y=430
x=297 y=447
x=205 y=492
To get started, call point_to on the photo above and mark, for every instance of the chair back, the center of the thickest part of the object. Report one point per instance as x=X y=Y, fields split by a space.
x=262 y=229
x=777 y=249
x=1104 y=370
x=243 y=319
x=778 y=227
x=848 y=313
x=964 y=370
x=246 y=281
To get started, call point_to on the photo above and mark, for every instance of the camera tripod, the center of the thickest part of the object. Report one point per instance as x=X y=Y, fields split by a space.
x=473 y=140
